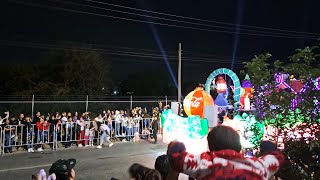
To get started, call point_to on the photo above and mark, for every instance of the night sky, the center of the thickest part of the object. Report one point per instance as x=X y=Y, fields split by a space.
x=204 y=48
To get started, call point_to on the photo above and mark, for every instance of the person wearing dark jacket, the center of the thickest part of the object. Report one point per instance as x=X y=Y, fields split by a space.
x=155 y=128
x=28 y=133
x=8 y=130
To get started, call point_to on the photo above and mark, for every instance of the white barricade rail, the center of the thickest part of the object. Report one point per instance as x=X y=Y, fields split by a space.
x=43 y=135
x=129 y=127
x=70 y=133
x=20 y=136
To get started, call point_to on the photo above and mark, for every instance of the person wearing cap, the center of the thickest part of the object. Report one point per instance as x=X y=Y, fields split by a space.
x=63 y=169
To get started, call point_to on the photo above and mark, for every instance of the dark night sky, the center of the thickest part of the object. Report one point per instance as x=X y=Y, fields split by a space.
x=24 y=23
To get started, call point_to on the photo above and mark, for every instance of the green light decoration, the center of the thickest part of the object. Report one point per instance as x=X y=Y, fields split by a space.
x=193 y=126
x=253 y=129
x=244 y=115
x=257 y=129
x=292 y=119
x=237 y=118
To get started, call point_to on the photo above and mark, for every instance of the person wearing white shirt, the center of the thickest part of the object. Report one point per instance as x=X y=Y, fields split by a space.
x=117 y=118
x=99 y=120
x=124 y=125
x=136 y=124
x=104 y=137
x=130 y=124
x=64 y=118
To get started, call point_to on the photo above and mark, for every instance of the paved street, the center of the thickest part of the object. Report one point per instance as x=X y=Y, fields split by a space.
x=92 y=163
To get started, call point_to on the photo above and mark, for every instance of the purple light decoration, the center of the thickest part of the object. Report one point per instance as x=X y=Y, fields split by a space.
x=246 y=82
x=304 y=89
x=294 y=104
x=280 y=79
x=317 y=83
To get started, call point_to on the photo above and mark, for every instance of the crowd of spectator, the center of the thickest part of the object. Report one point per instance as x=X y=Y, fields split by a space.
x=81 y=129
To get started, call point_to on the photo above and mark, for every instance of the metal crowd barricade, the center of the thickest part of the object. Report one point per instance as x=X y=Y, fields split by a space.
x=43 y=136
x=19 y=136
x=128 y=128
x=9 y=134
x=69 y=133
x=64 y=133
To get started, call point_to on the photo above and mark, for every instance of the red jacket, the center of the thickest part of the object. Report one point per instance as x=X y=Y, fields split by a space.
x=226 y=164
x=41 y=127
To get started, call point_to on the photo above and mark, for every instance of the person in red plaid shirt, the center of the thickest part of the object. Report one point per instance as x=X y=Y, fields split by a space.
x=224 y=161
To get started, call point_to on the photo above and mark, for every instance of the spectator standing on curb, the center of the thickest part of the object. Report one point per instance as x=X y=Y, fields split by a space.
x=155 y=128
x=87 y=135
x=117 y=118
x=8 y=129
x=28 y=133
x=20 y=121
x=80 y=129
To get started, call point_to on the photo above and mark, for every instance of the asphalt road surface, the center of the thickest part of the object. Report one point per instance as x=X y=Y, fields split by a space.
x=92 y=163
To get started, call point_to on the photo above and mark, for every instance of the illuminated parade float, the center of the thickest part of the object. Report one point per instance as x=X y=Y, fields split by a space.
x=193 y=129
x=202 y=113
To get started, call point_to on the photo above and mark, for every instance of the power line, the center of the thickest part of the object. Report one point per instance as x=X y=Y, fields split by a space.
x=84 y=48
x=198 y=19
x=98 y=45
x=150 y=22
x=203 y=57
x=208 y=55
x=179 y=21
x=117 y=53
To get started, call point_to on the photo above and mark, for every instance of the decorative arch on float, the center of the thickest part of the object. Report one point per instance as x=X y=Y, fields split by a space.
x=234 y=78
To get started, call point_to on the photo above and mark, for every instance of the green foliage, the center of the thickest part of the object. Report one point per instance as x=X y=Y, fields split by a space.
x=148 y=83
x=66 y=72
x=304 y=160
x=258 y=69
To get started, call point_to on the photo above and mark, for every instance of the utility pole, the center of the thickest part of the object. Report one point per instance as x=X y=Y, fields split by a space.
x=179 y=75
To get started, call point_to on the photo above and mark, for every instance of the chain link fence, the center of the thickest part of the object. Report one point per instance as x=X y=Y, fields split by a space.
x=29 y=105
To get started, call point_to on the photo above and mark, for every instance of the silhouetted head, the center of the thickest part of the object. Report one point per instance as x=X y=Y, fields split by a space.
x=162 y=165
x=139 y=172
x=223 y=137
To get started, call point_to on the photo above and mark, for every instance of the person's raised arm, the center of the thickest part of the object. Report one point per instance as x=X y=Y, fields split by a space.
x=271 y=158
x=183 y=162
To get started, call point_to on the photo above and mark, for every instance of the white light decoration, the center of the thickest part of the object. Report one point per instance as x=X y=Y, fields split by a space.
x=247 y=103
